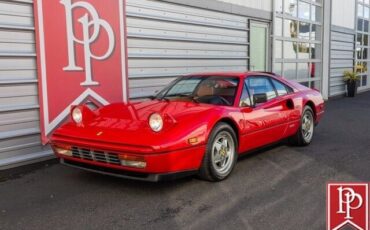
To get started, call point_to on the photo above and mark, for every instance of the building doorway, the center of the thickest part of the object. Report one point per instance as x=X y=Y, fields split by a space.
x=259 y=34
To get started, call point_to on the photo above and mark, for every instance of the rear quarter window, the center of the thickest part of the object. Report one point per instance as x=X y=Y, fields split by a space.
x=281 y=88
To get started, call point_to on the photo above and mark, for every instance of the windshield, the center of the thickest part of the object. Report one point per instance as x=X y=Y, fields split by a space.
x=215 y=90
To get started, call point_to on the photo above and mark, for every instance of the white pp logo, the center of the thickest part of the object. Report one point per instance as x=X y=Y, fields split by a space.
x=348 y=200
x=96 y=24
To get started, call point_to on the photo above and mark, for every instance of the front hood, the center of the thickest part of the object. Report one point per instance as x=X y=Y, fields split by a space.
x=128 y=124
x=138 y=113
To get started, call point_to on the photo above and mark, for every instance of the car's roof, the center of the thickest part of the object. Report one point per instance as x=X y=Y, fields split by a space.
x=244 y=74
x=230 y=74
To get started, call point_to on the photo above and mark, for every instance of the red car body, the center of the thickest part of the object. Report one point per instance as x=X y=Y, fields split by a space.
x=120 y=131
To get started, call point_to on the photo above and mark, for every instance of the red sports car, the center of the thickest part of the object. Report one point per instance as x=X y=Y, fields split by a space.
x=198 y=124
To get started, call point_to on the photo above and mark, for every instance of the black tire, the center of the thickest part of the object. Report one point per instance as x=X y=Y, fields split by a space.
x=299 y=138
x=208 y=170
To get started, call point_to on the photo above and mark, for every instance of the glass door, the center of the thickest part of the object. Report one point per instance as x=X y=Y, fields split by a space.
x=259 y=46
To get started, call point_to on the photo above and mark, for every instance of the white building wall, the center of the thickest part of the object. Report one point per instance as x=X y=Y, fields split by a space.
x=343 y=13
x=256 y=4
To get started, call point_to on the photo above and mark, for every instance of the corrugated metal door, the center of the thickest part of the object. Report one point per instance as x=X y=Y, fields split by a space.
x=19 y=110
x=342 y=58
x=165 y=40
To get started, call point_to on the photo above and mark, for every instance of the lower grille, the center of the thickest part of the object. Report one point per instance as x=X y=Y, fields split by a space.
x=93 y=155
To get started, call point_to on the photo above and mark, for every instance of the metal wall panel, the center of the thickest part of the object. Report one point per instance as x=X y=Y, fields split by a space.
x=256 y=4
x=341 y=58
x=167 y=40
x=19 y=109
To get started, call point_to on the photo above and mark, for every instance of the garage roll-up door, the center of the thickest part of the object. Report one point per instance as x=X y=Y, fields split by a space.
x=167 y=40
x=341 y=57
x=19 y=109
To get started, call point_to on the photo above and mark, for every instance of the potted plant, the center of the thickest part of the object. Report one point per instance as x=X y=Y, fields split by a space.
x=351 y=78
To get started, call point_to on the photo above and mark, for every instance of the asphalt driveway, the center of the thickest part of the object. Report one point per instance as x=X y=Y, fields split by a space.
x=278 y=188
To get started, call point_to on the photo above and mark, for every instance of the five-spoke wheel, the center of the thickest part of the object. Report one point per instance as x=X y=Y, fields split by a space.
x=305 y=133
x=221 y=153
x=307 y=126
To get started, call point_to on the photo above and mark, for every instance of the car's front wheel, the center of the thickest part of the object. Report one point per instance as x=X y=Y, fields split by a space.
x=306 y=130
x=221 y=154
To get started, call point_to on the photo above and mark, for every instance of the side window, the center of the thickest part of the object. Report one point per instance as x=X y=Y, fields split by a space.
x=261 y=85
x=245 y=99
x=280 y=88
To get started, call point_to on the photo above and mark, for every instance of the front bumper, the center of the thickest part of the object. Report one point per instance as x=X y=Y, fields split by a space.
x=159 y=166
x=127 y=174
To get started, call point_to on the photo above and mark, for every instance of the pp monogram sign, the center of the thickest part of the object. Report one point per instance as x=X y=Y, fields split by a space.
x=82 y=56
x=348 y=206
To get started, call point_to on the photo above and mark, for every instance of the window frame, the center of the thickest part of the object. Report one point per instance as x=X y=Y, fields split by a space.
x=249 y=94
x=281 y=62
x=360 y=46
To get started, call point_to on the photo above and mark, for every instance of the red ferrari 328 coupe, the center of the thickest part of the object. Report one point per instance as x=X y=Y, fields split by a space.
x=198 y=124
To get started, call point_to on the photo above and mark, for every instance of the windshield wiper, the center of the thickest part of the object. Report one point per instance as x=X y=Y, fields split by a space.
x=184 y=95
x=157 y=98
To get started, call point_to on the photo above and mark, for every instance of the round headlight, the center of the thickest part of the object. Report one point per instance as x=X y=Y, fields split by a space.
x=156 y=122
x=77 y=115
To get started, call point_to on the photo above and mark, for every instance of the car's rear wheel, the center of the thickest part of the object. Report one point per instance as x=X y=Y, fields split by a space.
x=305 y=133
x=221 y=154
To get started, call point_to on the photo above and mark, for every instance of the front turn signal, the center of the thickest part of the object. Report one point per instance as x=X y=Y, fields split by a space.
x=132 y=161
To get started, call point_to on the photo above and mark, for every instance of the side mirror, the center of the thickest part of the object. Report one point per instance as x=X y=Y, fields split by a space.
x=260 y=98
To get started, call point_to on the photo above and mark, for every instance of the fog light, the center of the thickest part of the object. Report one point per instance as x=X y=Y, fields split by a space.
x=132 y=161
x=63 y=151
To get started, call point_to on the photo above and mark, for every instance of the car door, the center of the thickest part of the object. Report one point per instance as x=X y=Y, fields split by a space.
x=291 y=111
x=266 y=122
